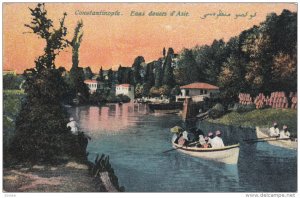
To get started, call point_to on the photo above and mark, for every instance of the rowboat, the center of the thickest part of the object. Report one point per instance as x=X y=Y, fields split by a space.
x=263 y=133
x=227 y=154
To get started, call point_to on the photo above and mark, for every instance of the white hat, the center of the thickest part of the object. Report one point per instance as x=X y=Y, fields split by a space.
x=71 y=118
x=218 y=132
x=275 y=123
x=285 y=127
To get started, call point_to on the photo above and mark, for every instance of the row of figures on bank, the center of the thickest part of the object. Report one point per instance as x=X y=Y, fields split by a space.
x=189 y=139
x=275 y=132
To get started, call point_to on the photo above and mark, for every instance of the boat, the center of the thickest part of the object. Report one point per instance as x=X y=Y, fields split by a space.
x=227 y=154
x=263 y=133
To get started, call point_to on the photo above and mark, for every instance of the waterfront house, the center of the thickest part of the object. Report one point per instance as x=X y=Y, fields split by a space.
x=94 y=85
x=197 y=91
x=125 y=89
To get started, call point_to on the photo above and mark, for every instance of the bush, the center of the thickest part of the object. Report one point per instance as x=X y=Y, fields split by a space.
x=217 y=111
x=240 y=108
x=124 y=98
x=97 y=98
x=113 y=99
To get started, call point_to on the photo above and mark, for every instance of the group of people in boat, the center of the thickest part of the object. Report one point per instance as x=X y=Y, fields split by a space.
x=275 y=132
x=198 y=139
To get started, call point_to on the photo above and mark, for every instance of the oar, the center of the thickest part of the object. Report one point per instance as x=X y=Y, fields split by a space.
x=260 y=138
x=250 y=142
x=179 y=147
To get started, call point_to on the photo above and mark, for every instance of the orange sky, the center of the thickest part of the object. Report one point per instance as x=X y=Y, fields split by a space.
x=112 y=40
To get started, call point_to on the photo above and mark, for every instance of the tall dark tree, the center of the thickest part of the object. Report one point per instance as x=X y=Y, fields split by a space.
x=88 y=74
x=101 y=75
x=168 y=76
x=137 y=69
x=188 y=65
x=41 y=132
x=76 y=73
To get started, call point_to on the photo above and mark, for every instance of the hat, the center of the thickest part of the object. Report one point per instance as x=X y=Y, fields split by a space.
x=218 y=132
x=210 y=134
x=285 y=127
x=71 y=118
x=206 y=138
x=275 y=123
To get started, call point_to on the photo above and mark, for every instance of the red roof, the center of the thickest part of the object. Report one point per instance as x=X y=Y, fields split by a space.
x=199 y=85
x=123 y=85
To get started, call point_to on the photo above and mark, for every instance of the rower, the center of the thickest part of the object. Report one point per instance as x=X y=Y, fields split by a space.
x=284 y=133
x=206 y=144
x=217 y=141
x=274 y=131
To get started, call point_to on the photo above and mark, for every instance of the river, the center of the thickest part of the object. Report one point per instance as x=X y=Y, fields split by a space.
x=135 y=139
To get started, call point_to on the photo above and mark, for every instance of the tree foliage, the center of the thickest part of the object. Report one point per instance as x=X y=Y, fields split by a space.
x=41 y=132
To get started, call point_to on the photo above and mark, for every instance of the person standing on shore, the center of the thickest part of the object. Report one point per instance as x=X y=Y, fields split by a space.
x=73 y=125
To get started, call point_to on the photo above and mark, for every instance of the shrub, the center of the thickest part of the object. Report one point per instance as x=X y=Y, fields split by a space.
x=113 y=98
x=124 y=98
x=97 y=98
x=240 y=108
x=217 y=111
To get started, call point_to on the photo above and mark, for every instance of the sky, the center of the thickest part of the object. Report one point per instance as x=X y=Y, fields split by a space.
x=110 y=41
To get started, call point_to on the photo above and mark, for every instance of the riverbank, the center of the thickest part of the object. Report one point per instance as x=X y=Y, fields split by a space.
x=69 y=176
x=262 y=118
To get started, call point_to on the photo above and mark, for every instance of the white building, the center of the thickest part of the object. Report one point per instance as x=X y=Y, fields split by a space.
x=197 y=91
x=125 y=89
x=94 y=85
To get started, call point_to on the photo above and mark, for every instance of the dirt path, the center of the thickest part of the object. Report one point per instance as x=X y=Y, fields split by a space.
x=71 y=177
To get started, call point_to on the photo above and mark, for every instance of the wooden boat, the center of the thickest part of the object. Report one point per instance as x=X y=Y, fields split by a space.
x=227 y=154
x=263 y=133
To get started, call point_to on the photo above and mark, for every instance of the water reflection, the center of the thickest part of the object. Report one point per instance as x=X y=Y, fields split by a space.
x=135 y=140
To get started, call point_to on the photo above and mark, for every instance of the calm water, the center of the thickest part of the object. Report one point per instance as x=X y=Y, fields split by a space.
x=135 y=140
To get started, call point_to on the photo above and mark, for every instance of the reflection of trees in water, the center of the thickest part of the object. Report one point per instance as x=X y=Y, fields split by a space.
x=109 y=119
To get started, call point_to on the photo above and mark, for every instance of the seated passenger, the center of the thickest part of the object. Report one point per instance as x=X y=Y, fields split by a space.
x=206 y=144
x=217 y=141
x=284 y=133
x=274 y=131
x=202 y=140
x=210 y=137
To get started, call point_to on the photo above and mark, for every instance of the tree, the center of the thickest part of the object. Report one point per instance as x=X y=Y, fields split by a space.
x=101 y=76
x=110 y=77
x=88 y=74
x=158 y=73
x=284 y=72
x=41 y=133
x=137 y=68
x=76 y=73
x=168 y=76
x=187 y=71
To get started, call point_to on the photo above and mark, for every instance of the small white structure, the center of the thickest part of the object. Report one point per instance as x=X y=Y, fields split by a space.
x=197 y=91
x=125 y=89
x=94 y=85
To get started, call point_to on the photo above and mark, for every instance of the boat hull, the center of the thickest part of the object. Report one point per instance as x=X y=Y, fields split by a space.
x=289 y=144
x=227 y=155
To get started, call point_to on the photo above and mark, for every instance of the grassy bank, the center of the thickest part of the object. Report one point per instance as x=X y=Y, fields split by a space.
x=262 y=118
